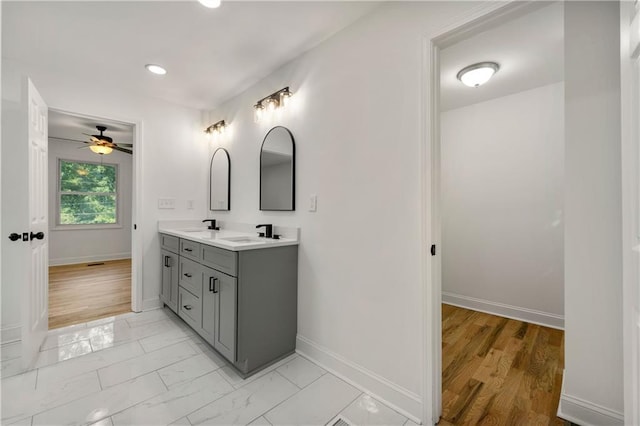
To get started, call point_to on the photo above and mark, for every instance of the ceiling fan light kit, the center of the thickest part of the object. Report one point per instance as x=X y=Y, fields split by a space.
x=101 y=144
x=101 y=149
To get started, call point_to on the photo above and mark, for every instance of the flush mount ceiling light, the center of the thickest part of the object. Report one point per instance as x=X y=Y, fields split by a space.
x=211 y=4
x=477 y=74
x=156 y=69
x=269 y=104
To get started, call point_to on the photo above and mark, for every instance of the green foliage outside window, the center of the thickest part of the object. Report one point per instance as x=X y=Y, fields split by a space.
x=87 y=193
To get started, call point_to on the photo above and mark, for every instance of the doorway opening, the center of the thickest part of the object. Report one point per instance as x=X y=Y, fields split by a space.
x=92 y=163
x=497 y=171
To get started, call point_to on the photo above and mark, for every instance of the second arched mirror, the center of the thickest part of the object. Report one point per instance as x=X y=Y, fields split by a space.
x=277 y=170
x=220 y=181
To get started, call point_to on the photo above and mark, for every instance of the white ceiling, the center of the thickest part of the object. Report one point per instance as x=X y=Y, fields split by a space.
x=529 y=49
x=62 y=125
x=210 y=54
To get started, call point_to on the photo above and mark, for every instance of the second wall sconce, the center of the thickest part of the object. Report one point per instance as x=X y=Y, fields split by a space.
x=216 y=129
x=269 y=104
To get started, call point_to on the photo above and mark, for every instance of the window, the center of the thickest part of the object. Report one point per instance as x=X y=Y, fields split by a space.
x=87 y=193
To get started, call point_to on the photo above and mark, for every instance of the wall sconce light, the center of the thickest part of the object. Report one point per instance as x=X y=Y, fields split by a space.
x=477 y=74
x=270 y=104
x=216 y=129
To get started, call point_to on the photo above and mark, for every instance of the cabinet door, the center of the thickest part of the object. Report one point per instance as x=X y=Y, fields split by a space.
x=226 y=295
x=209 y=285
x=169 y=287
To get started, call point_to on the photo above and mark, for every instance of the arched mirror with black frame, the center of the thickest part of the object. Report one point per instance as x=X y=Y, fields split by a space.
x=277 y=170
x=220 y=181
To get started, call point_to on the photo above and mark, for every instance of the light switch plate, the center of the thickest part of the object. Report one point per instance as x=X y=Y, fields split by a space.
x=166 y=203
x=313 y=203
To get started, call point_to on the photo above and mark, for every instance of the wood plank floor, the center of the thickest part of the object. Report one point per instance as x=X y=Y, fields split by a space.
x=80 y=293
x=498 y=371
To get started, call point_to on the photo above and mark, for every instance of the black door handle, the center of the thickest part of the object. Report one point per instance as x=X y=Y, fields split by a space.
x=214 y=285
x=14 y=237
x=188 y=307
x=187 y=275
x=166 y=261
x=37 y=236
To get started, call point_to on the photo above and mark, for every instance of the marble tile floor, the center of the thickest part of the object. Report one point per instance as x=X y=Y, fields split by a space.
x=151 y=369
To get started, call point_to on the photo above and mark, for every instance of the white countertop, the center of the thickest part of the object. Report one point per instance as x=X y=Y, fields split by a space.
x=230 y=237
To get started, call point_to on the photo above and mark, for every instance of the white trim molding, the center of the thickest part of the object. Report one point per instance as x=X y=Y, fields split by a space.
x=11 y=333
x=585 y=413
x=88 y=259
x=395 y=396
x=150 y=304
x=501 y=309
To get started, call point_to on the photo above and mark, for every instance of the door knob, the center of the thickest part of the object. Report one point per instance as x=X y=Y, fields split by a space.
x=14 y=237
x=37 y=236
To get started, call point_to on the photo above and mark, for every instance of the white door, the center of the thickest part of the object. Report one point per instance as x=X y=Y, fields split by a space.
x=35 y=309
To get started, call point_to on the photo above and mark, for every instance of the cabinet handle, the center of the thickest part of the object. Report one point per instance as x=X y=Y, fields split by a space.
x=167 y=261
x=188 y=307
x=188 y=249
x=187 y=275
x=211 y=283
x=214 y=285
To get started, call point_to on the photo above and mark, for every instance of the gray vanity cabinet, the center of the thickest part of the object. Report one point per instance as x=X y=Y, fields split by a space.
x=170 y=273
x=243 y=303
x=219 y=311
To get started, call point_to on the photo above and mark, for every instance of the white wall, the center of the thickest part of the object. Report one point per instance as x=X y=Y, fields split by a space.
x=355 y=117
x=172 y=149
x=593 y=390
x=68 y=246
x=502 y=205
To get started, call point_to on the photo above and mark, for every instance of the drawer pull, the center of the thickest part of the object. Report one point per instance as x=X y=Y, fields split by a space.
x=188 y=307
x=188 y=249
x=167 y=261
x=212 y=284
x=188 y=275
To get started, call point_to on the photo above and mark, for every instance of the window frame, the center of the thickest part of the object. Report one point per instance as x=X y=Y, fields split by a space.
x=59 y=193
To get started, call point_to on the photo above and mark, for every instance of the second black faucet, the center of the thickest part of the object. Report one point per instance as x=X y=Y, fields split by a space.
x=268 y=230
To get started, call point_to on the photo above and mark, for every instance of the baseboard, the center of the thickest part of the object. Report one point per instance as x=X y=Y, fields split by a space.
x=11 y=333
x=585 y=413
x=400 y=399
x=88 y=259
x=150 y=304
x=509 y=311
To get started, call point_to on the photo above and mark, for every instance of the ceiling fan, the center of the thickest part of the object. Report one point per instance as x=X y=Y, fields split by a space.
x=101 y=144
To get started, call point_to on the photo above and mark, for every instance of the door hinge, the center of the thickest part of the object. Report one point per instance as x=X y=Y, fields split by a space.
x=433 y=249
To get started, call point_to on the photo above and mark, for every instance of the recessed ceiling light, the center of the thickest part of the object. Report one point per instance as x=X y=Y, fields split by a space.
x=156 y=69
x=478 y=74
x=211 y=4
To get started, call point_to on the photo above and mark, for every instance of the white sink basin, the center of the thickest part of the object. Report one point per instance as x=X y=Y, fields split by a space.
x=243 y=240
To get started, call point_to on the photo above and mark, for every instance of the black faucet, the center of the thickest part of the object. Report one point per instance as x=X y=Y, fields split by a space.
x=268 y=230
x=212 y=225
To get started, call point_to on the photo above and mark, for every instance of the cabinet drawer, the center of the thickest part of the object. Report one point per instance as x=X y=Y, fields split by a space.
x=169 y=242
x=190 y=309
x=223 y=260
x=191 y=276
x=190 y=249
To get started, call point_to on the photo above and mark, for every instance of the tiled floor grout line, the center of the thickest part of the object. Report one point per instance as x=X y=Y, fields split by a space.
x=99 y=381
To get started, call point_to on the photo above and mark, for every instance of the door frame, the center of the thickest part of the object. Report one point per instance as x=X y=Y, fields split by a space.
x=630 y=135
x=136 y=201
x=431 y=272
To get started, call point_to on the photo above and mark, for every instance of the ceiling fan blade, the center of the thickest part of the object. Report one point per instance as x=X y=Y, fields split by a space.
x=69 y=140
x=124 y=144
x=117 y=148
